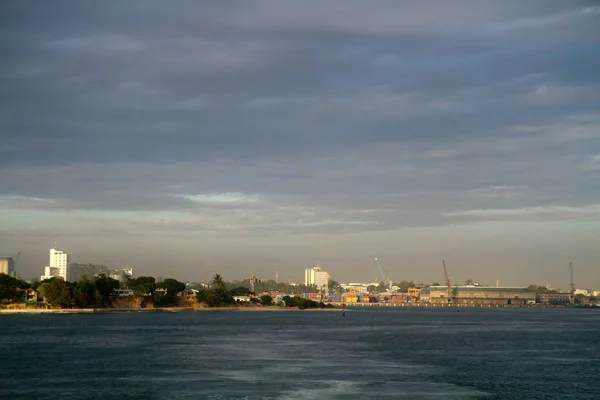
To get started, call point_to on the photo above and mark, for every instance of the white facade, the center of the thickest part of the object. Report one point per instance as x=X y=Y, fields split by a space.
x=59 y=265
x=122 y=275
x=355 y=287
x=6 y=265
x=123 y=293
x=49 y=272
x=316 y=276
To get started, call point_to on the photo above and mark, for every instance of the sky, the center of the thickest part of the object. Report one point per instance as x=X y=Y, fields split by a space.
x=186 y=138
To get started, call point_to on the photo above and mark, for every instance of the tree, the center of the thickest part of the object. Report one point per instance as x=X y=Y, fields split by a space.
x=381 y=287
x=303 y=303
x=334 y=287
x=218 y=282
x=435 y=284
x=57 y=292
x=579 y=298
x=240 y=291
x=9 y=286
x=539 y=289
x=220 y=292
x=469 y=282
x=34 y=284
x=173 y=286
x=203 y=296
x=266 y=300
x=104 y=286
x=142 y=286
x=217 y=295
x=85 y=292
x=404 y=285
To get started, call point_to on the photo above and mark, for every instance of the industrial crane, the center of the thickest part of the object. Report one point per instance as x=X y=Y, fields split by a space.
x=447 y=282
x=384 y=278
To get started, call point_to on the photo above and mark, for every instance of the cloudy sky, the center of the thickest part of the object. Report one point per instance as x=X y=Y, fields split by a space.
x=185 y=138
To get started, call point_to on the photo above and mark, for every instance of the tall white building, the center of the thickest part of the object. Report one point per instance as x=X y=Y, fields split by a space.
x=59 y=265
x=316 y=276
x=6 y=265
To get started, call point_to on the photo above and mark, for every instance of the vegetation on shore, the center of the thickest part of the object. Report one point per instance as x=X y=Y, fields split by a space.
x=145 y=292
x=218 y=295
x=99 y=292
x=9 y=288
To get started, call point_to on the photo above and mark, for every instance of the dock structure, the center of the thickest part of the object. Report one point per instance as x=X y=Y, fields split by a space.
x=442 y=305
x=478 y=295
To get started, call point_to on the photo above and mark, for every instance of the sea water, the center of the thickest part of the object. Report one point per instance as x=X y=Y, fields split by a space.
x=374 y=353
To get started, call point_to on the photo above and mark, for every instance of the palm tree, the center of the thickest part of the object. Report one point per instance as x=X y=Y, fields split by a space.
x=218 y=282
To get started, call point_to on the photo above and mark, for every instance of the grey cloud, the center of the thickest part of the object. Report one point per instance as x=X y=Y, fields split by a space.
x=536 y=213
x=338 y=117
x=388 y=17
x=101 y=45
x=468 y=175
x=595 y=162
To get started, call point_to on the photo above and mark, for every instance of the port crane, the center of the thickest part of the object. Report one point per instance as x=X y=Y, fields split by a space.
x=447 y=282
x=384 y=278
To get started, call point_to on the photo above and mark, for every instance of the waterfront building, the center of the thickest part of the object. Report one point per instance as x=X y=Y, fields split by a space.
x=317 y=277
x=59 y=265
x=478 y=295
x=122 y=293
x=414 y=292
x=355 y=287
x=28 y=294
x=555 y=299
x=190 y=293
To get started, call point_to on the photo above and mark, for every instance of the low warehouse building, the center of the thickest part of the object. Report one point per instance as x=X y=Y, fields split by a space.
x=555 y=299
x=478 y=295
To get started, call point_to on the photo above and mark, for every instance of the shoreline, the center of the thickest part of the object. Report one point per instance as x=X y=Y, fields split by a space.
x=59 y=311
x=153 y=310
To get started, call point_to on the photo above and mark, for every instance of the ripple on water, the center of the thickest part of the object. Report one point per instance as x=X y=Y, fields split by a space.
x=375 y=354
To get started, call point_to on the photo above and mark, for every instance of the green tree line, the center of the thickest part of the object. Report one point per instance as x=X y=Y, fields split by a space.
x=9 y=288
x=90 y=293
x=303 y=303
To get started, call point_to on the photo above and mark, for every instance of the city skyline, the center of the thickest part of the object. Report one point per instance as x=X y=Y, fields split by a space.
x=58 y=256
x=262 y=136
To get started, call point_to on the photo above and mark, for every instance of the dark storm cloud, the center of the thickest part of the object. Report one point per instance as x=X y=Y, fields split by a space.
x=415 y=110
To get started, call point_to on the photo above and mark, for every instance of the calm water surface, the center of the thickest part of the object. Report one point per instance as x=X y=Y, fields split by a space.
x=369 y=354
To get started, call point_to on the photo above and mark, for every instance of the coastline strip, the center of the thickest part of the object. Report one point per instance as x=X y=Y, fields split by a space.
x=150 y=310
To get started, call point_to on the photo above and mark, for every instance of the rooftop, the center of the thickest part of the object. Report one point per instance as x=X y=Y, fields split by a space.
x=477 y=289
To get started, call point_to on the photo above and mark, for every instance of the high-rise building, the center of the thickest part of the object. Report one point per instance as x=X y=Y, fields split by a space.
x=77 y=271
x=59 y=265
x=317 y=277
x=6 y=265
